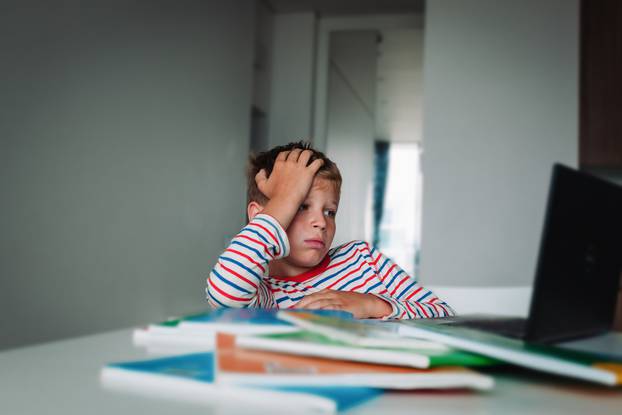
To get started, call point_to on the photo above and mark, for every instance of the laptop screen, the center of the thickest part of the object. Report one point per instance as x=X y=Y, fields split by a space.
x=578 y=269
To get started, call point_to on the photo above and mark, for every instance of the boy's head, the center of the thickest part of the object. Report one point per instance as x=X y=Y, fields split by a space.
x=265 y=160
x=312 y=230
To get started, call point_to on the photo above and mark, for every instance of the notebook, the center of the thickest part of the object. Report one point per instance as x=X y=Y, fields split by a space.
x=578 y=270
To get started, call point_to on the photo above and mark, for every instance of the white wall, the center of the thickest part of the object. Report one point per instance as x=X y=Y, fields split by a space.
x=351 y=125
x=123 y=133
x=291 y=97
x=500 y=106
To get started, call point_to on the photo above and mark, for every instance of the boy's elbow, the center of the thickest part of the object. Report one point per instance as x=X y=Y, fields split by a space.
x=218 y=301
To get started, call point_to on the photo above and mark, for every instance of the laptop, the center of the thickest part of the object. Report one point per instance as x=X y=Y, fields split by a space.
x=578 y=270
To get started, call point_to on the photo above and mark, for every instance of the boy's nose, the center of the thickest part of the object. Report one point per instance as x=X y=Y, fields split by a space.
x=319 y=221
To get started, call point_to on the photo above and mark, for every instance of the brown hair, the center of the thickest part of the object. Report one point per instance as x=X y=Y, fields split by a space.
x=266 y=159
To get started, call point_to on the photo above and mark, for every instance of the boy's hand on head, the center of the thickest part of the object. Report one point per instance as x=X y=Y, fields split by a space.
x=288 y=184
x=359 y=304
x=290 y=175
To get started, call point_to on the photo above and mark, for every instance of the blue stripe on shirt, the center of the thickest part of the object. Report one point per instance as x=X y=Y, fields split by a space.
x=276 y=230
x=430 y=308
x=214 y=298
x=393 y=279
x=280 y=300
x=238 y=263
x=426 y=294
x=437 y=310
x=237 y=287
x=342 y=270
x=263 y=238
x=418 y=311
x=353 y=280
x=405 y=290
x=251 y=249
x=383 y=264
x=372 y=287
x=348 y=250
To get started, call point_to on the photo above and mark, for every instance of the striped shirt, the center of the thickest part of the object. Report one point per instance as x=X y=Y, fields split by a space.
x=241 y=276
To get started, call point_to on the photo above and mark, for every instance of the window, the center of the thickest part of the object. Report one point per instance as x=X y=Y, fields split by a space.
x=399 y=231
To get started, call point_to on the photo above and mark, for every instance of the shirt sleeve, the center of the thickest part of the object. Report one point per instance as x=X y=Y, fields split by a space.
x=408 y=298
x=238 y=278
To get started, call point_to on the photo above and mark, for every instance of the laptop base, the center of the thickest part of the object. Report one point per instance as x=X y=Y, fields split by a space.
x=513 y=327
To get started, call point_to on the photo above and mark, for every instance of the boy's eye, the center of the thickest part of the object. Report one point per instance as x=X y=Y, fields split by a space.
x=331 y=213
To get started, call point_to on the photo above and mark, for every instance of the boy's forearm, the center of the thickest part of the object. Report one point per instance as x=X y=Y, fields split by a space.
x=283 y=209
x=237 y=278
x=380 y=308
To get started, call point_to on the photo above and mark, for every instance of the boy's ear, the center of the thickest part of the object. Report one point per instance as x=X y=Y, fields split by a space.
x=253 y=209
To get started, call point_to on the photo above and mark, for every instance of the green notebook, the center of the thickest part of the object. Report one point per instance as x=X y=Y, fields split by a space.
x=317 y=345
x=543 y=358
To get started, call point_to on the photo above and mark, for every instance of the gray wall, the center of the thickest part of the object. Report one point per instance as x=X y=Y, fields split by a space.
x=500 y=106
x=291 y=94
x=123 y=132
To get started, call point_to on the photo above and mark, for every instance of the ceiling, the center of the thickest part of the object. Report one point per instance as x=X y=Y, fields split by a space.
x=340 y=7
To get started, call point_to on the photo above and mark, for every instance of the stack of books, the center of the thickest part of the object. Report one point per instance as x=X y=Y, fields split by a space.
x=301 y=361
x=197 y=332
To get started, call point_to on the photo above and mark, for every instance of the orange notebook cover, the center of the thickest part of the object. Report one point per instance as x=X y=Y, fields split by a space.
x=250 y=367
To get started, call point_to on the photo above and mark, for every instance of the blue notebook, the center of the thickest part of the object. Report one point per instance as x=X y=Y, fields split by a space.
x=191 y=378
x=247 y=321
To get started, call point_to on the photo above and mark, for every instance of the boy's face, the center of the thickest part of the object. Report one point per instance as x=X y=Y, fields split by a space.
x=312 y=230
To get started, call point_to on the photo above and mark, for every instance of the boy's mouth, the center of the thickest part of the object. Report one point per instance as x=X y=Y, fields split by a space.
x=314 y=243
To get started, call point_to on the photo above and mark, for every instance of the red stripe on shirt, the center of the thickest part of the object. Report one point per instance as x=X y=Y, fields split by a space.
x=293 y=291
x=246 y=280
x=264 y=246
x=433 y=307
x=336 y=264
x=414 y=313
x=364 y=283
x=347 y=275
x=377 y=258
x=387 y=273
x=443 y=308
x=247 y=257
x=276 y=242
x=313 y=272
x=422 y=309
x=221 y=292
x=406 y=277
x=413 y=293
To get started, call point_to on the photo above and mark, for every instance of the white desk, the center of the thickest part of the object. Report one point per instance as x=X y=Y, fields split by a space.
x=63 y=378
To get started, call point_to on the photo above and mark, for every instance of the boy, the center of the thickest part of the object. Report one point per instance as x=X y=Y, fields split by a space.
x=282 y=257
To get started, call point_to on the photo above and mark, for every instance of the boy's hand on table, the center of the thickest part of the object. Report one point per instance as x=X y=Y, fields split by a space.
x=288 y=184
x=360 y=305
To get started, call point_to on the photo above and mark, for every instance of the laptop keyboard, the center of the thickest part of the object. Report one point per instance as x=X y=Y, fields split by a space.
x=510 y=327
